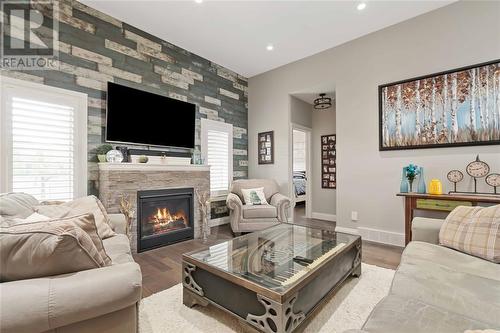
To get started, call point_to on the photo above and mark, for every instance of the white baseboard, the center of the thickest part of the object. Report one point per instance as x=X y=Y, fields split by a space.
x=382 y=236
x=352 y=231
x=219 y=221
x=323 y=216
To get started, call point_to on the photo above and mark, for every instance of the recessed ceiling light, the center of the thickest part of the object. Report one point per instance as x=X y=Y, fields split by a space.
x=361 y=6
x=270 y=47
x=198 y=1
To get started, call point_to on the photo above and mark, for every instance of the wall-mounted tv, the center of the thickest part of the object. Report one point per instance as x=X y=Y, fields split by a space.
x=139 y=117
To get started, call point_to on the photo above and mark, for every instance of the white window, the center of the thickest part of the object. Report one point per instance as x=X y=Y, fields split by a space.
x=43 y=140
x=217 y=151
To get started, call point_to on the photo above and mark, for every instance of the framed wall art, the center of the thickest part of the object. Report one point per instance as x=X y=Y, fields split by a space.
x=460 y=107
x=266 y=147
x=328 y=161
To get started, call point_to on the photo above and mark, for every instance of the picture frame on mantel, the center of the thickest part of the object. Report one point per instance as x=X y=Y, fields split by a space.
x=265 y=147
x=458 y=107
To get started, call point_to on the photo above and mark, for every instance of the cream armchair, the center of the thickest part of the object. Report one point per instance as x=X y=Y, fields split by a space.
x=248 y=218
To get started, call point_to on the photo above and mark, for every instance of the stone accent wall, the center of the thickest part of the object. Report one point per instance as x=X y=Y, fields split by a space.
x=114 y=183
x=95 y=48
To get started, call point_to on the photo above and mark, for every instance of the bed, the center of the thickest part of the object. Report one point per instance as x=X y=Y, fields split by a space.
x=299 y=184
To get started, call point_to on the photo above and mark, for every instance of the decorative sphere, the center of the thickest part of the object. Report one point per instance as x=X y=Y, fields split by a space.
x=114 y=156
x=143 y=159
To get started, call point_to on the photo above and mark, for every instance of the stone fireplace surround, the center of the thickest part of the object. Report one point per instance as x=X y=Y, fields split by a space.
x=117 y=179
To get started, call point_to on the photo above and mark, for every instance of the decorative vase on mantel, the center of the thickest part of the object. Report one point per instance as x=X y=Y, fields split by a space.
x=403 y=188
x=421 y=182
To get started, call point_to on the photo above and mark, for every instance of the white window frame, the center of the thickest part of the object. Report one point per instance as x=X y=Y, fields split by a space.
x=207 y=125
x=33 y=90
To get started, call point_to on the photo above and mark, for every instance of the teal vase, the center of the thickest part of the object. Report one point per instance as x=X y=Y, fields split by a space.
x=403 y=188
x=421 y=182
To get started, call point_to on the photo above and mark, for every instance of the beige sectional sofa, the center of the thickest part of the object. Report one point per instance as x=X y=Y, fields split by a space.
x=97 y=300
x=437 y=289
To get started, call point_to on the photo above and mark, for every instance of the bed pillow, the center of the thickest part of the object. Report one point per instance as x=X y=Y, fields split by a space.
x=254 y=196
x=39 y=249
x=473 y=230
x=89 y=204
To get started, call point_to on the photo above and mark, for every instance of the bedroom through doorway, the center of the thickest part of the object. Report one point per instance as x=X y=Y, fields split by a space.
x=301 y=138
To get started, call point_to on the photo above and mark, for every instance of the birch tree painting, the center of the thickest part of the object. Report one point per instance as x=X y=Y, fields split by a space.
x=452 y=109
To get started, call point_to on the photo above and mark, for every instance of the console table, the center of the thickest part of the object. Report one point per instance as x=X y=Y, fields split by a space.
x=441 y=202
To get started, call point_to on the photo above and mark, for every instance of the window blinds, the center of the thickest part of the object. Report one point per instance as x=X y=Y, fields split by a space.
x=43 y=144
x=218 y=156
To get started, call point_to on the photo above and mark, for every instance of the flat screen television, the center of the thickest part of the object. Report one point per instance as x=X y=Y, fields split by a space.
x=138 y=117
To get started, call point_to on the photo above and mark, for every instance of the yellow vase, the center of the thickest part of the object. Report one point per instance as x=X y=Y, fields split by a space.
x=435 y=187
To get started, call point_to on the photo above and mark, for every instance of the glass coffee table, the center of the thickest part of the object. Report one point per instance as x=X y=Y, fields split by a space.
x=274 y=278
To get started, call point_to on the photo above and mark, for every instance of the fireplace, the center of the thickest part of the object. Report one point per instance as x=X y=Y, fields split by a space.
x=164 y=217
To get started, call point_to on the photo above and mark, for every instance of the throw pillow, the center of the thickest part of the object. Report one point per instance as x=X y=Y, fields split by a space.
x=254 y=196
x=35 y=217
x=14 y=205
x=46 y=248
x=89 y=204
x=473 y=230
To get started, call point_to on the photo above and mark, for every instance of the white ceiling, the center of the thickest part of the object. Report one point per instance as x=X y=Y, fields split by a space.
x=235 y=34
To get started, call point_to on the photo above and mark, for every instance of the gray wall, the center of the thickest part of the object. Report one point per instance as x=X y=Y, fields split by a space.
x=324 y=201
x=300 y=112
x=96 y=48
x=461 y=34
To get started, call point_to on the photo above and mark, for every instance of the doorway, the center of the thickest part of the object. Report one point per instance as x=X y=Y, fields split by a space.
x=301 y=171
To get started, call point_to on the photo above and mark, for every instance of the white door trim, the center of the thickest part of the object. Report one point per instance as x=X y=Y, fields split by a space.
x=308 y=132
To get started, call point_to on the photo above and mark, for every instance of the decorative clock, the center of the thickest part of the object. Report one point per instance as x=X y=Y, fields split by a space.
x=476 y=169
x=493 y=179
x=455 y=176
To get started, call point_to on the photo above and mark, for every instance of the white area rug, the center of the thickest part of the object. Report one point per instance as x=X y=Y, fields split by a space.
x=347 y=309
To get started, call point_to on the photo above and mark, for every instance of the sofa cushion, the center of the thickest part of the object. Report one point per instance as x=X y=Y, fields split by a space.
x=270 y=186
x=89 y=204
x=397 y=314
x=118 y=249
x=450 y=280
x=473 y=230
x=17 y=205
x=40 y=249
x=87 y=223
x=259 y=211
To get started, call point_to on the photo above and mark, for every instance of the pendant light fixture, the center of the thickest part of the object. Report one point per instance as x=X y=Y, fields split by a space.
x=322 y=102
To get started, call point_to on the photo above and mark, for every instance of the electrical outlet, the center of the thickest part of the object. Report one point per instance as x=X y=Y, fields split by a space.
x=354 y=216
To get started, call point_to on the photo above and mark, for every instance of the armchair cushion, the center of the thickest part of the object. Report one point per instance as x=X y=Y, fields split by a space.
x=259 y=211
x=270 y=186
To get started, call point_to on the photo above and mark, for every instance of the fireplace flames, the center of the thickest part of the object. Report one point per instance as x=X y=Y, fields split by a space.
x=164 y=220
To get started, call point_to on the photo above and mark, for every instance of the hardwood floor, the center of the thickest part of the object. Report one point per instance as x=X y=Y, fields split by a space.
x=161 y=268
